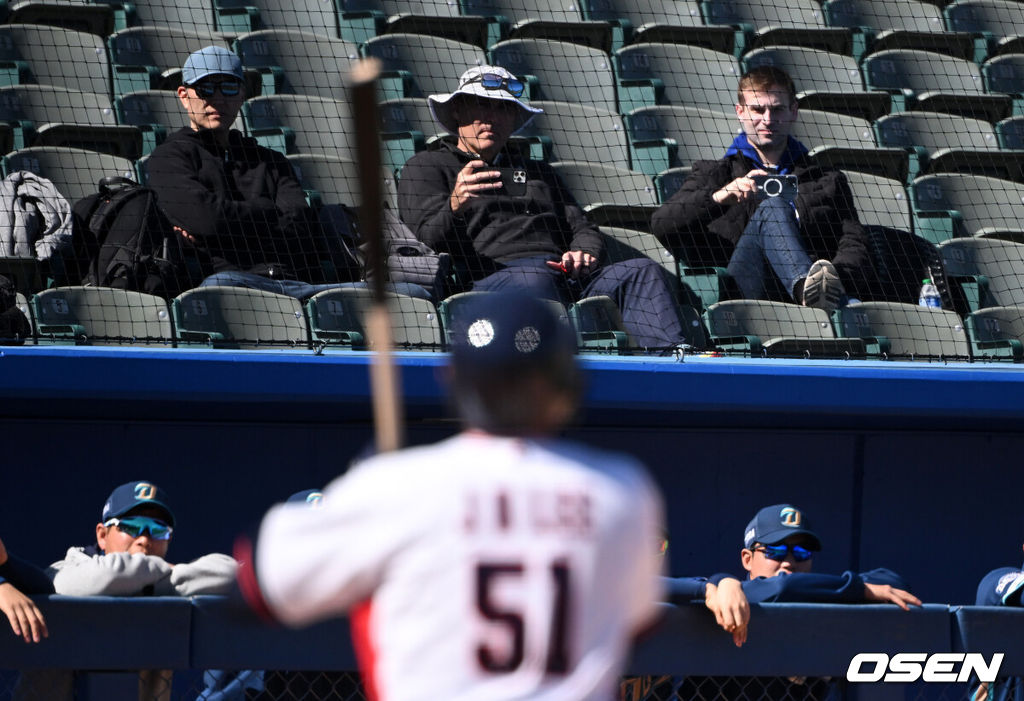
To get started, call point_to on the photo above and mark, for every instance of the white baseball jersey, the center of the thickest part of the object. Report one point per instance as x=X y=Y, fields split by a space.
x=479 y=568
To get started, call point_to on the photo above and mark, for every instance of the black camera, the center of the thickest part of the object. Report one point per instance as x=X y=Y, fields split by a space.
x=783 y=186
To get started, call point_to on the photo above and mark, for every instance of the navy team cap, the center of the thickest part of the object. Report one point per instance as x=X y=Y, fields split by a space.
x=773 y=524
x=503 y=330
x=212 y=60
x=134 y=494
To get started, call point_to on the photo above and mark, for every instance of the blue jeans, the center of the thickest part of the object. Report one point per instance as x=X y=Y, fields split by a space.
x=297 y=288
x=640 y=287
x=770 y=245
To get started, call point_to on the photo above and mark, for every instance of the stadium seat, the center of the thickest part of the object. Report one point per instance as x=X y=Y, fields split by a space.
x=996 y=332
x=776 y=329
x=958 y=204
x=335 y=181
x=671 y=136
x=301 y=124
x=609 y=196
x=824 y=81
x=337 y=320
x=984 y=272
x=999 y=22
x=880 y=201
x=599 y=326
x=1010 y=132
x=79 y=15
x=151 y=57
x=568 y=131
x=74 y=172
x=669 y=21
x=769 y=22
x=559 y=70
x=907 y=24
x=938 y=143
x=155 y=113
x=362 y=19
x=235 y=17
x=543 y=19
x=101 y=316
x=626 y=244
x=848 y=143
x=1005 y=74
x=238 y=317
x=303 y=63
x=407 y=126
x=416 y=65
x=676 y=74
x=905 y=331
x=36 y=53
x=925 y=80
x=450 y=306
x=47 y=115
x=901 y=261
x=186 y=15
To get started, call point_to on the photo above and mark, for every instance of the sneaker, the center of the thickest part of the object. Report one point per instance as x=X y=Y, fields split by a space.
x=822 y=287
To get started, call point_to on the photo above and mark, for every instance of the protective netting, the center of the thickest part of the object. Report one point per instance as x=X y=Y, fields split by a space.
x=912 y=114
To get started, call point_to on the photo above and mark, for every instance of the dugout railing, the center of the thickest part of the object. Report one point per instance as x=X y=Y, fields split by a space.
x=101 y=643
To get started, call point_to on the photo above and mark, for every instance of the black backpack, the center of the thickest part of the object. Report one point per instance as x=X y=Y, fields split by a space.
x=123 y=240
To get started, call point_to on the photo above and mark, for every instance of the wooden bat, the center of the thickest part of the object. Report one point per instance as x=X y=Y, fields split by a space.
x=384 y=380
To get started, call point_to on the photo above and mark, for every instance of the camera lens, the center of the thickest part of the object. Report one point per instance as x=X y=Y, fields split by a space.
x=773 y=187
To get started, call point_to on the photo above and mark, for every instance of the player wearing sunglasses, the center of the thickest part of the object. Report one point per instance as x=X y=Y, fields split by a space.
x=129 y=558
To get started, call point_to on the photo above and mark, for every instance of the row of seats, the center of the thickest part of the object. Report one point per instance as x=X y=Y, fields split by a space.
x=966 y=27
x=235 y=317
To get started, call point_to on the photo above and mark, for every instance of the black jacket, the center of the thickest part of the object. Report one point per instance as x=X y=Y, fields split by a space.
x=703 y=233
x=493 y=228
x=243 y=205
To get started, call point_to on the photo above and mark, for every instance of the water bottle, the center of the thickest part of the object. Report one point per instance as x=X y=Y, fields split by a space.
x=930 y=296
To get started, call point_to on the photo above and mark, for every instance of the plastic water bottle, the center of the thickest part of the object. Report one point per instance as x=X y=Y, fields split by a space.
x=930 y=296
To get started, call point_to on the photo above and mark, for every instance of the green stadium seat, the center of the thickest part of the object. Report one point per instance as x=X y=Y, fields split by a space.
x=301 y=124
x=362 y=19
x=999 y=22
x=880 y=201
x=417 y=65
x=335 y=181
x=74 y=172
x=36 y=53
x=298 y=62
x=407 y=126
x=238 y=317
x=151 y=57
x=775 y=329
x=186 y=15
x=946 y=205
x=1010 y=132
x=676 y=74
x=673 y=136
x=901 y=261
x=925 y=80
x=626 y=244
x=599 y=326
x=609 y=195
x=47 y=115
x=100 y=316
x=337 y=319
x=669 y=21
x=570 y=131
x=824 y=80
x=559 y=70
x=155 y=113
x=907 y=24
x=996 y=333
x=848 y=143
x=984 y=272
x=905 y=331
x=1005 y=74
x=79 y=15
x=543 y=19
x=769 y=22
x=235 y=17
x=938 y=143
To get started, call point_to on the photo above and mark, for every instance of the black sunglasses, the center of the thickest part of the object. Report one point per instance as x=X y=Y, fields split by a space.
x=228 y=88
x=779 y=552
x=493 y=81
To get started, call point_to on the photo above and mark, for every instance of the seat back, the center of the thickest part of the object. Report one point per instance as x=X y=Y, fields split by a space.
x=74 y=172
x=882 y=15
x=984 y=203
x=152 y=56
x=999 y=263
x=911 y=330
x=338 y=317
x=298 y=62
x=934 y=131
x=238 y=317
x=571 y=131
x=301 y=124
x=691 y=76
x=564 y=71
x=913 y=71
x=998 y=18
x=101 y=316
x=417 y=65
x=767 y=320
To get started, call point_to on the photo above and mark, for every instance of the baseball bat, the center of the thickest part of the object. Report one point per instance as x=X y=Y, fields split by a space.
x=384 y=380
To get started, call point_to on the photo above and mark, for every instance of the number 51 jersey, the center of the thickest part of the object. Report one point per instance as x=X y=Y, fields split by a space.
x=477 y=568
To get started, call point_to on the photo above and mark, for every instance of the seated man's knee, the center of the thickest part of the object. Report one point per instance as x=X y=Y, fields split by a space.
x=775 y=209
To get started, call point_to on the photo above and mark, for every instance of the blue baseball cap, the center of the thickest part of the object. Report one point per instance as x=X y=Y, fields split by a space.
x=211 y=60
x=307 y=496
x=773 y=524
x=496 y=331
x=134 y=494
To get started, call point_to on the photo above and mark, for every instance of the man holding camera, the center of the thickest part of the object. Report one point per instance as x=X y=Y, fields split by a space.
x=737 y=212
x=508 y=222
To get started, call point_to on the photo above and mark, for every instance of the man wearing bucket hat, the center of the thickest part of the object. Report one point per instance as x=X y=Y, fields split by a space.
x=238 y=205
x=521 y=565
x=509 y=222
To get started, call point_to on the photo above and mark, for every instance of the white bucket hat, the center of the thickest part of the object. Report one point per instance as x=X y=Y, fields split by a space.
x=472 y=83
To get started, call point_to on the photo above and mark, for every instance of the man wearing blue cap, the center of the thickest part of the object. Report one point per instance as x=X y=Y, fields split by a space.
x=501 y=563
x=237 y=205
x=1001 y=587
